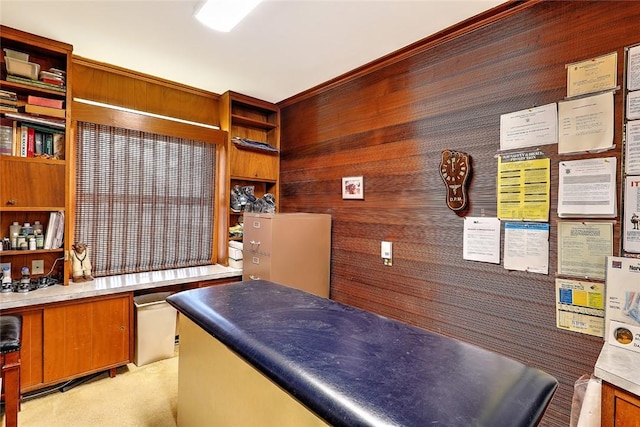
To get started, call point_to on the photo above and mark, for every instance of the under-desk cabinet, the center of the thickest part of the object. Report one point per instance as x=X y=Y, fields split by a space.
x=619 y=408
x=63 y=341
x=293 y=249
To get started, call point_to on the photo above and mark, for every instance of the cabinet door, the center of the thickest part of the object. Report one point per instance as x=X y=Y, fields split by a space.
x=29 y=183
x=110 y=323
x=619 y=408
x=86 y=337
x=67 y=341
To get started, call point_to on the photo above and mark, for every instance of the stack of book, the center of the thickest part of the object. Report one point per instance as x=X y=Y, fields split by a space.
x=54 y=236
x=44 y=106
x=54 y=77
x=37 y=83
x=8 y=101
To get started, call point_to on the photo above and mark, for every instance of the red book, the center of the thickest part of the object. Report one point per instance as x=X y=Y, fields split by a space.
x=31 y=142
x=53 y=81
x=44 y=102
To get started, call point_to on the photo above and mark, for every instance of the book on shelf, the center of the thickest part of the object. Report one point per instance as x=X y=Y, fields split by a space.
x=44 y=111
x=6 y=140
x=47 y=142
x=45 y=102
x=54 y=235
x=36 y=83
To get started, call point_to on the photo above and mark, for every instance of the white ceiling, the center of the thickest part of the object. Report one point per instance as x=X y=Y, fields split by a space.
x=282 y=48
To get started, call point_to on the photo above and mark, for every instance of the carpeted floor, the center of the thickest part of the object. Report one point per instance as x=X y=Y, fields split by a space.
x=144 y=396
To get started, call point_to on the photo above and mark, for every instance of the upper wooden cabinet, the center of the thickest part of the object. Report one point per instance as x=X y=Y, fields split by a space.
x=33 y=182
x=253 y=119
x=257 y=120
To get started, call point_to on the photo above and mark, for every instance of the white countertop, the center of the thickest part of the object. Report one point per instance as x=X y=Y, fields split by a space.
x=116 y=284
x=619 y=366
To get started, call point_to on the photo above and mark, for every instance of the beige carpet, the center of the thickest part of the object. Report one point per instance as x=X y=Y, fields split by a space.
x=144 y=396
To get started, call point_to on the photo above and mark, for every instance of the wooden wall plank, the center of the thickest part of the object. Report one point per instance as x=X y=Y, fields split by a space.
x=390 y=125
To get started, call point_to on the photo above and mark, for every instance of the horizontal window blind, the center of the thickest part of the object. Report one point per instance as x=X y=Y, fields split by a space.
x=143 y=201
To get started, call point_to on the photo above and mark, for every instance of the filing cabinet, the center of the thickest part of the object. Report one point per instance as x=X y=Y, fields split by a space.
x=293 y=249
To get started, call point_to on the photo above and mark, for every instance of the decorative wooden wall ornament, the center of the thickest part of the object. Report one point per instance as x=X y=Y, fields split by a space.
x=455 y=167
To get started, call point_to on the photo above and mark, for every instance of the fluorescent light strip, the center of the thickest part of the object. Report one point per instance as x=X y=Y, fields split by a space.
x=144 y=113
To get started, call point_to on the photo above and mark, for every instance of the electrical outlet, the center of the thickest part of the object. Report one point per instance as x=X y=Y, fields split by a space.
x=37 y=266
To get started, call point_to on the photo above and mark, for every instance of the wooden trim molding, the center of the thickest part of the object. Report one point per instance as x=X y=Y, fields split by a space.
x=140 y=122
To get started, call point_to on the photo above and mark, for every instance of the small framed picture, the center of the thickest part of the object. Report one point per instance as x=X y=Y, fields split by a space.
x=352 y=187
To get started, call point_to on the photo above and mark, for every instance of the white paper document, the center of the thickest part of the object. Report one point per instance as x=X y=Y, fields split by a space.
x=623 y=291
x=529 y=128
x=632 y=148
x=481 y=241
x=583 y=248
x=586 y=124
x=631 y=225
x=633 y=68
x=633 y=105
x=587 y=188
x=526 y=247
x=580 y=306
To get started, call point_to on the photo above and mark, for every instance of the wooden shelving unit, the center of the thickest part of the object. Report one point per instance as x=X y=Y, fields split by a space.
x=246 y=117
x=32 y=187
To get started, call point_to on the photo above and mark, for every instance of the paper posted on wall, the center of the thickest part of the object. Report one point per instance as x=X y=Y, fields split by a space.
x=580 y=306
x=587 y=188
x=631 y=226
x=622 y=313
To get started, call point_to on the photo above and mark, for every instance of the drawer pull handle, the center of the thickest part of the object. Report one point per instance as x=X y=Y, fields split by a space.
x=256 y=243
x=11 y=202
x=252 y=277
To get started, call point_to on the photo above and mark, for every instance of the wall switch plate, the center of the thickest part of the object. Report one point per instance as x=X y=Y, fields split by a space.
x=386 y=253
x=37 y=266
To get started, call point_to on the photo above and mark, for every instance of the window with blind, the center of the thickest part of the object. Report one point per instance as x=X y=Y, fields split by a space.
x=143 y=201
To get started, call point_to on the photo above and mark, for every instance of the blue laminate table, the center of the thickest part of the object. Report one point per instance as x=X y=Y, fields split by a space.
x=355 y=368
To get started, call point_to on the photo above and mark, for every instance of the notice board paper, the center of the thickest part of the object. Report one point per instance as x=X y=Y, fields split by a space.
x=633 y=105
x=586 y=124
x=632 y=148
x=580 y=306
x=631 y=225
x=523 y=187
x=526 y=247
x=633 y=68
x=623 y=292
x=529 y=128
x=583 y=248
x=481 y=241
x=593 y=75
x=587 y=188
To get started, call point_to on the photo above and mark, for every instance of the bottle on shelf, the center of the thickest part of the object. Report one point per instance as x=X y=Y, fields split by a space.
x=6 y=275
x=14 y=231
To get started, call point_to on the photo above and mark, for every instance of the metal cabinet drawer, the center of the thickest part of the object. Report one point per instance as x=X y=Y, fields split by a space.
x=257 y=236
x=256 y=266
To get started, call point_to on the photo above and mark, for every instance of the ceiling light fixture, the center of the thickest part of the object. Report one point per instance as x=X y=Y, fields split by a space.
x=223 y=15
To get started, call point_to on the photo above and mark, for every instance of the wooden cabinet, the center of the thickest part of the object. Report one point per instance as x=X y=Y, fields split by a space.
x=81 y=338
x=246 y=117
x=31 y=187
x=619 y=408
x=63 y=341
x=293 y=249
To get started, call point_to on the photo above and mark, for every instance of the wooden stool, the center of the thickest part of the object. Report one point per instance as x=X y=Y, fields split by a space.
x=10 y=334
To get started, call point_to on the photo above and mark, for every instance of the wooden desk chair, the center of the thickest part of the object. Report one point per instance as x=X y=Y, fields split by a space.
x=10 y=334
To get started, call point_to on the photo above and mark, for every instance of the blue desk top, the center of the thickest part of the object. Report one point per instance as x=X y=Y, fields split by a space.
x=355 y=368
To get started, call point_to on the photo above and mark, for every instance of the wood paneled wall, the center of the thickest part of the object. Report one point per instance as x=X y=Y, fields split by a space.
x=390 y=121
x=118 y=86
